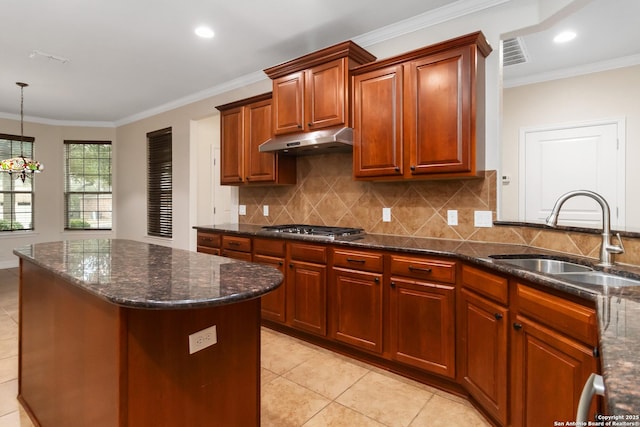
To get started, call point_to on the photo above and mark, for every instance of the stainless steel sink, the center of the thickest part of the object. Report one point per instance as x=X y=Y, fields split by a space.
x=599 y=278
x=545 y=265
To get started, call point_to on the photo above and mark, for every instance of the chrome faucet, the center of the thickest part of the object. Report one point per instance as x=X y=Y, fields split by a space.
x=607 y=249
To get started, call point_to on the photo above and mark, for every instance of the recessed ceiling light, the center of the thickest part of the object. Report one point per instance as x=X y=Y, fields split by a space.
x=204 y=32
x=564 y=37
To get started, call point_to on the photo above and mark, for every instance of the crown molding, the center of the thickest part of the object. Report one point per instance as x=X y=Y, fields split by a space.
x=564 y=73
x=53 y=122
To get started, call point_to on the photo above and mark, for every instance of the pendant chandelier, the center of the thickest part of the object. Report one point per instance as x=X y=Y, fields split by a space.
x=21 y=167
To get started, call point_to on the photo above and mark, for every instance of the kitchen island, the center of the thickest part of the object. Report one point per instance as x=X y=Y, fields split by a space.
x=105 y=328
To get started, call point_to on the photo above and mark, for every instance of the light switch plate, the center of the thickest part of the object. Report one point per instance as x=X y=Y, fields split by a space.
x=386 y=214
x=452 y=217
x=265 y=210
x=483 y=218
x=242 y=210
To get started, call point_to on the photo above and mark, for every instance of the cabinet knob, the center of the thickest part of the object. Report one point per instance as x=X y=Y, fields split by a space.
x=393 y=285
x=299 y=126
x=412 y=167
x=517 y=326
x=397 y=169
x=239 y=178
x=291 y=265
x=310 y=124
x=377 y=280
x=280 y=263
x=498 y=316
x=247 y=178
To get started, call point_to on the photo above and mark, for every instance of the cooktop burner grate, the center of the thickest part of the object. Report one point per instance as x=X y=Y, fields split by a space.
x=318 y=231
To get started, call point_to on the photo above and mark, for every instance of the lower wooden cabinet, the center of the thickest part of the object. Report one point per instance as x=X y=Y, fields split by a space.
x=422 y=322
x=307 y=288
x=357 y=308
x=549 y=366
x=273 y=304
x=483 y=350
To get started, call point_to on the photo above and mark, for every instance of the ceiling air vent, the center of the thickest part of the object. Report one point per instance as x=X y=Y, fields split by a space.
x=513 y=52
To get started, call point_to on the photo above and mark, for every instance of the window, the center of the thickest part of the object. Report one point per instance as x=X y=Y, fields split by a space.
x=159 y=189
x=87 y=185
x=16 y=197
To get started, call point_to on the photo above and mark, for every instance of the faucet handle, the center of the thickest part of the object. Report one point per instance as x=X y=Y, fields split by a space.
x=619 y=248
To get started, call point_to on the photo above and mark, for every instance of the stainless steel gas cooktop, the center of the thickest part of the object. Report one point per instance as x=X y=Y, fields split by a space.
x=320 y=232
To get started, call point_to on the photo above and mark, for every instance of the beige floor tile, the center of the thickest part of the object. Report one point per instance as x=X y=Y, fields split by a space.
x=443 y=412
x=8 y=394
x=336 y=415
x=326 y=374
x=266 y=376
x=8 y=347
x=8 y=369
x=385 y=399
x=282 y=355
x=16 y=419
x=287 y=404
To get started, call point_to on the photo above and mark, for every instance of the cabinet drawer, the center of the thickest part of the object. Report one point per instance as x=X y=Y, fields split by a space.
x=424 y=268
x=566 y=316
x=209 y=240
x=487 y=284
x=357 y=260
x=235 y=243
x=305 y=252
x=207 y=250
x=269 y=247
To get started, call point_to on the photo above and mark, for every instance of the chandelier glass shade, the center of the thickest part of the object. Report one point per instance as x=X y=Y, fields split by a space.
x=21 y=167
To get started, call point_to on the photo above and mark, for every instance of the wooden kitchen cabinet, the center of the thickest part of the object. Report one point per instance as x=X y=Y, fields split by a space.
x=422 y=313
x=236 y=247
x=208 y=243
x=357 y=299
x=553 y=342
x=421 y=114
x=244 y=126
x=483 y=339
x=312 y=92
x=272 y=252
x=306 y=283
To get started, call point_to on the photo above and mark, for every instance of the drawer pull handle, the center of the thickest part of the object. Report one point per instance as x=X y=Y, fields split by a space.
x=498 y=316
x=419 y=269
x=233 y=243
x=207 y=239
x=517 y=326
x=359 y=261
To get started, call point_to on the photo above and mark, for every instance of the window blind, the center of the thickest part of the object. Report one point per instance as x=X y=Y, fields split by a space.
x=159 y=184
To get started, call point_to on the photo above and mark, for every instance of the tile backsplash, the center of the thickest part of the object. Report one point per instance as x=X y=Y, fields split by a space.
x=326 y=194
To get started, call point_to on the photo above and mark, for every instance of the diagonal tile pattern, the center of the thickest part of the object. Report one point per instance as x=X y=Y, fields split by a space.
x=302 y=385
x=326 y=194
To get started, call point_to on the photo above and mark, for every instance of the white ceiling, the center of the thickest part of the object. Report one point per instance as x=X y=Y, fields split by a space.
x=127 y=57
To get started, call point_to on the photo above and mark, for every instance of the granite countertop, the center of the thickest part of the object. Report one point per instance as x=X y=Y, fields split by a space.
x=140 y=275
x=618 y=309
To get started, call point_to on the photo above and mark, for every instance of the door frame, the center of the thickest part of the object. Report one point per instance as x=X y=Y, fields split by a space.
x=620 y=122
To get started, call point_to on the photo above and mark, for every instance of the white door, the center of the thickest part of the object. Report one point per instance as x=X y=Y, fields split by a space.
x=556 y=160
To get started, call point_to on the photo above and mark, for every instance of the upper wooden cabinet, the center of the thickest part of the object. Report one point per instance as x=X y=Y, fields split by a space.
x=421 y=114
x=312 y=92
x=244 y=126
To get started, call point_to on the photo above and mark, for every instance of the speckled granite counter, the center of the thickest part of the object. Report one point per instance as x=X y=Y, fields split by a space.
x=130 y=334
x=618 y=309
x=140 y=275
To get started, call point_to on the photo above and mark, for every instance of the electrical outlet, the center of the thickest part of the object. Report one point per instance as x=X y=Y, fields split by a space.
x=483 y=219
x=202 y=339
x=242 y=210
x=452 y=217
x=265 y=210
x=386 y=214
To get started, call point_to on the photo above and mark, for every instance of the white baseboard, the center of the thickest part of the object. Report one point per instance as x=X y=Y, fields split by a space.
x=9 y=264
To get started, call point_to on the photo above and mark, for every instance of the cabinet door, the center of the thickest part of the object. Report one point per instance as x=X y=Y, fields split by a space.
x=232 y=146
x=325 y=95
x=307 y=297
x=288 y=105
x=356 y=308
x=377 y=139
x=484 y=327
x=258 y=166
x=549 y=372
x=273 y=303
x=422 y=325
x=437 y=111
